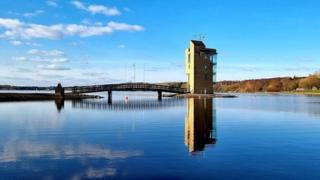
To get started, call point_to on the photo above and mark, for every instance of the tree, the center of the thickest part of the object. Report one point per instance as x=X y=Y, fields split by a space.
x=310 y=82
x=274 y=86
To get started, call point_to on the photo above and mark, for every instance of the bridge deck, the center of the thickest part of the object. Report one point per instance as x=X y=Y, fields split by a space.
x=127 y=87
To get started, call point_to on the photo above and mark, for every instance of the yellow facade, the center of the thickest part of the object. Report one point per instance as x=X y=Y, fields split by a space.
x=200 y=63
x=200 y=128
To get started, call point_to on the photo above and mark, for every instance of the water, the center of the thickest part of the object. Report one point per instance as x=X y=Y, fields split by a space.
x=249 y=137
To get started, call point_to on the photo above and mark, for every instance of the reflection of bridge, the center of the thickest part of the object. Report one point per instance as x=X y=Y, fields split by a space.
x=200 y=120
x=127 y=87
x=127 y=106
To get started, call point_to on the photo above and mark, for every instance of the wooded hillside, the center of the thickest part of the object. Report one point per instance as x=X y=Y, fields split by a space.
x=312 y=82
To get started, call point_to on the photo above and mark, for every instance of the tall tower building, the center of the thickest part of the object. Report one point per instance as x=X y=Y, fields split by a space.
x=201 y=65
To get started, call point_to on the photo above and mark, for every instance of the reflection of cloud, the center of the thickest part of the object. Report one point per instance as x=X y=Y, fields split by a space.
x=92 y=173
x=14 y=151
x=99 y=173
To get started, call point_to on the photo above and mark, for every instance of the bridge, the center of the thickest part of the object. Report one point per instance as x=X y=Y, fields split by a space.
x=127 y=87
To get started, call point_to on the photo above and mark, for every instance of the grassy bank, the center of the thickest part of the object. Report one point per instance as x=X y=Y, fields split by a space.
x=306 y=92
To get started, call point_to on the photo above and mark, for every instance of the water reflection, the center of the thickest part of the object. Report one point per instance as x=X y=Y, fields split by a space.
x=59 y=104
x=97 y=140
x=200 y=121
x=135 y=105
x=200 y=126
x=13 y=151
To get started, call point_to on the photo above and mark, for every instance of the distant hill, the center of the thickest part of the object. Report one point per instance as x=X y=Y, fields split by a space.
x=31 y=88
x=277 y=84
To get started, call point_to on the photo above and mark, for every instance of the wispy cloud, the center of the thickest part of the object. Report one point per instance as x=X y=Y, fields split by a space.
x=15 y=29
x=95 y=74
x=19 y=58
x=10 y=23
x=49 y=59
x=16 y=43
x=121 y=46
x=299 y=68
x=52 y=3
x=20 y=43
x=52 y=53
x=97 y=9
x=32 y=14
x=54 y=67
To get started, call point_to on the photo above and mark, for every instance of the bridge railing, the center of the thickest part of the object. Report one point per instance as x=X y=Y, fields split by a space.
x=127 y=87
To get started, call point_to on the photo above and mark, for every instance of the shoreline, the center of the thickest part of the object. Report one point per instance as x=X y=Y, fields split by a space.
x=5 y=97
x=216 y=95
x=279 y=93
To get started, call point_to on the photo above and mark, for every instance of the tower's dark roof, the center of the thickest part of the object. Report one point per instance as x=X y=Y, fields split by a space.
x=210 y=51
x=198 y=43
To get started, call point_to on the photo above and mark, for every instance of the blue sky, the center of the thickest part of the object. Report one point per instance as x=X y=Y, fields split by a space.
x=44 y=42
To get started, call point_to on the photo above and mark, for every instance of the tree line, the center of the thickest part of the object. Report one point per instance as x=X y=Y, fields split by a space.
x=312 y=82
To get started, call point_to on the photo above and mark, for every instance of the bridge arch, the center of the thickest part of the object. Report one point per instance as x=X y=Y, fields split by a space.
x=127 y=87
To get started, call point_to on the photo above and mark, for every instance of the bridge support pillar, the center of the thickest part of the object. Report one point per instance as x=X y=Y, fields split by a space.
x=109 y=96
x=159 y=95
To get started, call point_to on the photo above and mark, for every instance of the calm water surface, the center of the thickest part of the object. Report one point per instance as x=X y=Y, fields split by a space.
x=249 y=137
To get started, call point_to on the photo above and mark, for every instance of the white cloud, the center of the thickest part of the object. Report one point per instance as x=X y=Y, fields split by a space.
x=19 y=43
x=32 y=44
x=52 y=3
x=54 y=67
x=79 y=5
x=16 y=43
x=52 y=53
x=20 y=58
x=124 y=26
x=16 y=29
x=40 y=31
x=48 y=60
x=32 y=14
x=97 y=9
x=53 y=60
x=10 y=23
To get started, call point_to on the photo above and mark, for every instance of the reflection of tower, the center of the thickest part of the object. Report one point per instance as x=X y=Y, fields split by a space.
x=59 y=104
x=200 y=127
